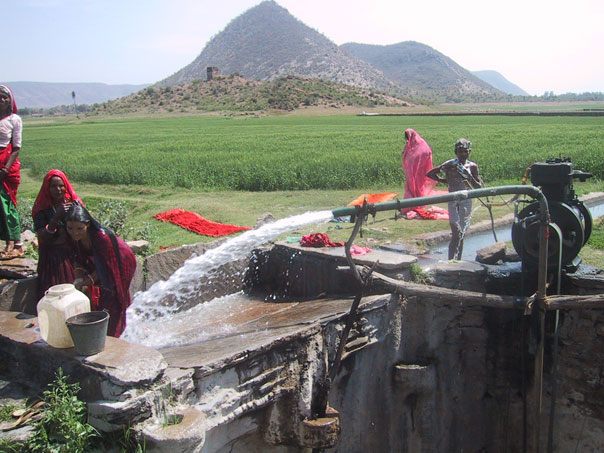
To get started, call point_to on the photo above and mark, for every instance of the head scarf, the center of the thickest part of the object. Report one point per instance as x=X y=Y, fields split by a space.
x=13 y=105
x=44 y=200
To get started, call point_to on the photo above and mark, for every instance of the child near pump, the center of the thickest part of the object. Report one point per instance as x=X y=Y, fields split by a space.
x=460 y=173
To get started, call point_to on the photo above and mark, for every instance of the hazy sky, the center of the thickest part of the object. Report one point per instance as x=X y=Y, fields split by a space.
x=540 y=45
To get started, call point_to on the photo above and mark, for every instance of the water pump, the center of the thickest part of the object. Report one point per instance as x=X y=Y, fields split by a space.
x=555 y=179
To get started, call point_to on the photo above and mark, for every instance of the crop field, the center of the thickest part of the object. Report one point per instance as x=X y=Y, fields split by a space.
x=297 y=153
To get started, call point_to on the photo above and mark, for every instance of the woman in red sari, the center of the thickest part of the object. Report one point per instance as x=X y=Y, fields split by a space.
x=55 y=252
x=10 y=175
x=104 y=266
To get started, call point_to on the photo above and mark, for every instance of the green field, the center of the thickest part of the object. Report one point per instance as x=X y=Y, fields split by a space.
x=233 y=170
x=297 y=153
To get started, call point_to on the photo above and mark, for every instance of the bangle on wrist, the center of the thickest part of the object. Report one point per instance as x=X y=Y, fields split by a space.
x=91 y=279
x=49 y=231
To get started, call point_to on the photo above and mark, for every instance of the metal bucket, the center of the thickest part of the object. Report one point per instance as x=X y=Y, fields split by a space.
x=88 y=331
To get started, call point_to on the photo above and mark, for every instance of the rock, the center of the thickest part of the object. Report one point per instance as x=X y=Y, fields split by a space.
x=185 y=434
x=19 y=295
x=164 y=263
x=267 y=217
x=18 y=268
x=407 y=249
x=139 y=247
x=29 y=237
x=138 y=280
x=491 y=254
x=465 y=275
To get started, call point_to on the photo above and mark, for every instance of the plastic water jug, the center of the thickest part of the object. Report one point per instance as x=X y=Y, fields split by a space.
x=59 y=303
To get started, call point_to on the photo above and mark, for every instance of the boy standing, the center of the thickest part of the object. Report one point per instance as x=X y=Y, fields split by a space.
x=460 y=174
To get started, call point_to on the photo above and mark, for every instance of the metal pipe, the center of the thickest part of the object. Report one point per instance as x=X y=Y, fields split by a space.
x=372 y=208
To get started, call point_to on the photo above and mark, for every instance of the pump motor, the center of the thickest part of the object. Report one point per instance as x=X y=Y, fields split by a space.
x=555 y=179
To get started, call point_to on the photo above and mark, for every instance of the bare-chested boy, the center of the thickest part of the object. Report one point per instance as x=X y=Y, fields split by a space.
x=459 y=174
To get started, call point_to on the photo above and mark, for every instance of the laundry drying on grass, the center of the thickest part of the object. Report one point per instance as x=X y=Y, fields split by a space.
x=197 y=224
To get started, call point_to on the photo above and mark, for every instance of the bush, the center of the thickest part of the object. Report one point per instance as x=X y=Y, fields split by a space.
x=24 y=206
x=63 y=426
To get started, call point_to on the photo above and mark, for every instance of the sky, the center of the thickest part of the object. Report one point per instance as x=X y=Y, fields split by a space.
x=539 y=45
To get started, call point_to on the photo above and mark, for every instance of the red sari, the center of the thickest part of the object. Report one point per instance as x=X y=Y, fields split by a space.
x=13 y=178
x=55 y=252
x=114 y=264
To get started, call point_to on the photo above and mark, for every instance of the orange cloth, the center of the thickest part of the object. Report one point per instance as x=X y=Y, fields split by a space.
x=373 y=198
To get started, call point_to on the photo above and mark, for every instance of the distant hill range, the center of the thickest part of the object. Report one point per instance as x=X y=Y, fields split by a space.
x=422 y=70
x=267 y=42
x=500 y=82
x=43 y=94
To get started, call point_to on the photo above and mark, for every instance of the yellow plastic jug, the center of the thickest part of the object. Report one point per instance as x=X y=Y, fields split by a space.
x=59 y=303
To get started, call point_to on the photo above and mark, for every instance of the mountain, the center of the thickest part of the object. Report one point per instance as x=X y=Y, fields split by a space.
x=500 y=82
x=425 y=71
x=267 y=42
x=43 y=94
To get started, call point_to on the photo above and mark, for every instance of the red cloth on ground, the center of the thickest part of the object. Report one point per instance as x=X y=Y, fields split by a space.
x=194 y=222
x=432 y=213
x=44 y=201
x=318 y=240
x=112 y=292
x=373 y=198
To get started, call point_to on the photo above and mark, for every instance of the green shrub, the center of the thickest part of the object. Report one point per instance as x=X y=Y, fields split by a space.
x=63 y=427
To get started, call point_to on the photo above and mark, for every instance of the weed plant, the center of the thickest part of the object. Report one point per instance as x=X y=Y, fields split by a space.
x=63 y=427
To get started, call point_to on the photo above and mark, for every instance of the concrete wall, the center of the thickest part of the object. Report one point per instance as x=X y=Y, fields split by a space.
x=417 y=375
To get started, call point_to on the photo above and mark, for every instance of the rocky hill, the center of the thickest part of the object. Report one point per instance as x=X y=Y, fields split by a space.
x=237 y=94
x=424 y=71
x=267 y=42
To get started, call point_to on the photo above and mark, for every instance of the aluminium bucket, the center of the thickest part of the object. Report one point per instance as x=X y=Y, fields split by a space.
x=88 y=331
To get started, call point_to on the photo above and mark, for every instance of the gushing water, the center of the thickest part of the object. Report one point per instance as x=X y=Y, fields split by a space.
x=153 y=314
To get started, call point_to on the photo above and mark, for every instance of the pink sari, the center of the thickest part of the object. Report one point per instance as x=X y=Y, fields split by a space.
x=416 y=162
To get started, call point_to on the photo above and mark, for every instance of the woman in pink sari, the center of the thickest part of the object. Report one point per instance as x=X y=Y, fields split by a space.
x=417 y=161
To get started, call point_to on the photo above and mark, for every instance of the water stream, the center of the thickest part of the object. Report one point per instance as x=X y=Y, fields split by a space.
x=157 y=319
x=475 y=242
x=155 y=314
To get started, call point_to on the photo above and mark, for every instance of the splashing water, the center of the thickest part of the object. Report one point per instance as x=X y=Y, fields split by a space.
x=152 y=311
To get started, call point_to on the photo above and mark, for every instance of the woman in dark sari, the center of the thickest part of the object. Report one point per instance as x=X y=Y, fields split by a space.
x=104 y=266
x=56 y=254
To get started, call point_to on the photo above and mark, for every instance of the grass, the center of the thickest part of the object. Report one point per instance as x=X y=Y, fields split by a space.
x=295 y=152
x=234 y=170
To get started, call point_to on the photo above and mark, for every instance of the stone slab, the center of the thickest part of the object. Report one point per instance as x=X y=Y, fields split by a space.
x=262 y=325
x=120 y=361
x=387 y=260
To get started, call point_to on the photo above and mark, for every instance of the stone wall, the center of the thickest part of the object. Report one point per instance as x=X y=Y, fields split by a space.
x=417 y=374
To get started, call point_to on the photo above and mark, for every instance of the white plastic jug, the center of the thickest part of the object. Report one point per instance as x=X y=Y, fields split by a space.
x=59 y=303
